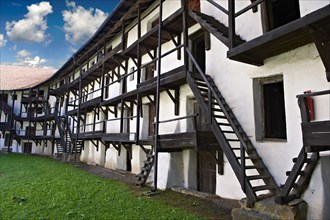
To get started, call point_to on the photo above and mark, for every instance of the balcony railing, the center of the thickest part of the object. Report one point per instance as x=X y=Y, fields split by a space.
x=97 y=127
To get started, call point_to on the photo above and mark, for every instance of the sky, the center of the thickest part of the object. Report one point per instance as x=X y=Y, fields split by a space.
x=46 y=34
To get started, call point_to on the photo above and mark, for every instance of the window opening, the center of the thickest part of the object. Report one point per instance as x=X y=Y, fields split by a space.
x=269 y=108
x=279 y=12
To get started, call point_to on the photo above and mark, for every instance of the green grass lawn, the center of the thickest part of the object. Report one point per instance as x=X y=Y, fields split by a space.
x=41 y=188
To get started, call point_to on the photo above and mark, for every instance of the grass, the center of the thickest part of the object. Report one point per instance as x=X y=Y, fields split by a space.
x=41 y=188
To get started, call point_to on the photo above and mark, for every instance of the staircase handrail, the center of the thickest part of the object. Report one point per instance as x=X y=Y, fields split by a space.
x=319 y=93
x=218 y=6
x=179 y=118
x=210 y=89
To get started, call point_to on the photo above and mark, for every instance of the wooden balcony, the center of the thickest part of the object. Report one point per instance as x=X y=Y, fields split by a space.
x=282 y=39
x=87 y=106
x=316 y=134
x=126 y=138
x=170 y=80
x=88 y=135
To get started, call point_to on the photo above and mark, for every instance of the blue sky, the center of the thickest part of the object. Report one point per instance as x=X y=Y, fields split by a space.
x=47 y=33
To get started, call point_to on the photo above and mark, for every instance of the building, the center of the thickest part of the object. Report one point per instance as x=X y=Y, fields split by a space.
x=199 y=94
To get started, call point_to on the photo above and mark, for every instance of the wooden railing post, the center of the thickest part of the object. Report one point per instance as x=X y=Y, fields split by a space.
x=231 y=23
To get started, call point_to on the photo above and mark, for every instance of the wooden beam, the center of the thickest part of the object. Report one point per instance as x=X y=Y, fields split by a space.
x=322 y=43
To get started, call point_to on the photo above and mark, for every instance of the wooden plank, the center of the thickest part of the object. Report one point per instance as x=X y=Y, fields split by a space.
x=316 y=139
x=117 y=137
x=178 y=141
x=316 y=148
x=316 y=126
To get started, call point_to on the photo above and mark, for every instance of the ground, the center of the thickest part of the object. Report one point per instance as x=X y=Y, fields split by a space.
x=210 y=206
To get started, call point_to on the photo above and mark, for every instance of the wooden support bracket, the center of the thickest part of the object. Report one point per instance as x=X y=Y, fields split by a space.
x=119 y=63
x=175 y=99
x=177 y=43
x=152 y=101
x=146 y=151
x=322 y=42
x=96 y=144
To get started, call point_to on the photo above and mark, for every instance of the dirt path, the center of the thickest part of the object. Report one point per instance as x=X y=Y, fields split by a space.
x=209 y=207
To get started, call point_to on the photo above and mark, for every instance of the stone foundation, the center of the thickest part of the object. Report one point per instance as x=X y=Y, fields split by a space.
x=268 y=209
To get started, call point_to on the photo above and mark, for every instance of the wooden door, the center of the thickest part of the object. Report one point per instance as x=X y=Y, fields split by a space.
x=198 y=50
x=206 y=173
x=27 y=148
x=201 y=122
x=128 y=159
x=151 y=119
x=150 y=71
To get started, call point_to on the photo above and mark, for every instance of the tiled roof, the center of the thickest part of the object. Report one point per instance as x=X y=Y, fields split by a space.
x=20 y=77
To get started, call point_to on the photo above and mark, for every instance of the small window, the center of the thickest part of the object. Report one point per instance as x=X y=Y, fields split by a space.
x=276 y=13
x=269 y=108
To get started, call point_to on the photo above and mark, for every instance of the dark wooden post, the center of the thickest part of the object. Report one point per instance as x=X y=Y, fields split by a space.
x=78 y=114
x=138 y=73
x=231 y=22
x=157 y=101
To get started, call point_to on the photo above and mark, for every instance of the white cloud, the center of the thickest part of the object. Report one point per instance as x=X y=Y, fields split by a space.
x=23 y=58
x=79 y=23
x=36 y=61
x=23 y=54
x=3 y=41
x=33 y=27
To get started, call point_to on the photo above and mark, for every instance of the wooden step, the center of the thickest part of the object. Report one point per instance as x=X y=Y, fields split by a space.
x=308 y=160
x=201 y=83
x=301 y=173
x=229 y=132
x=253 y=167
x=233 y=140
x=223 y=124
x=202 y=89
x=256 y=177
x=263 y=187
x=249 y=158
x=219 y=116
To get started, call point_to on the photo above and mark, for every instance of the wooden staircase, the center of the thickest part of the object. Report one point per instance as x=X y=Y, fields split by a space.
x=66 y=144
x=316 y=138
x=59 y=147
x=254 y=177
x=299 y=177
x=216 y=28
x=146 y=169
